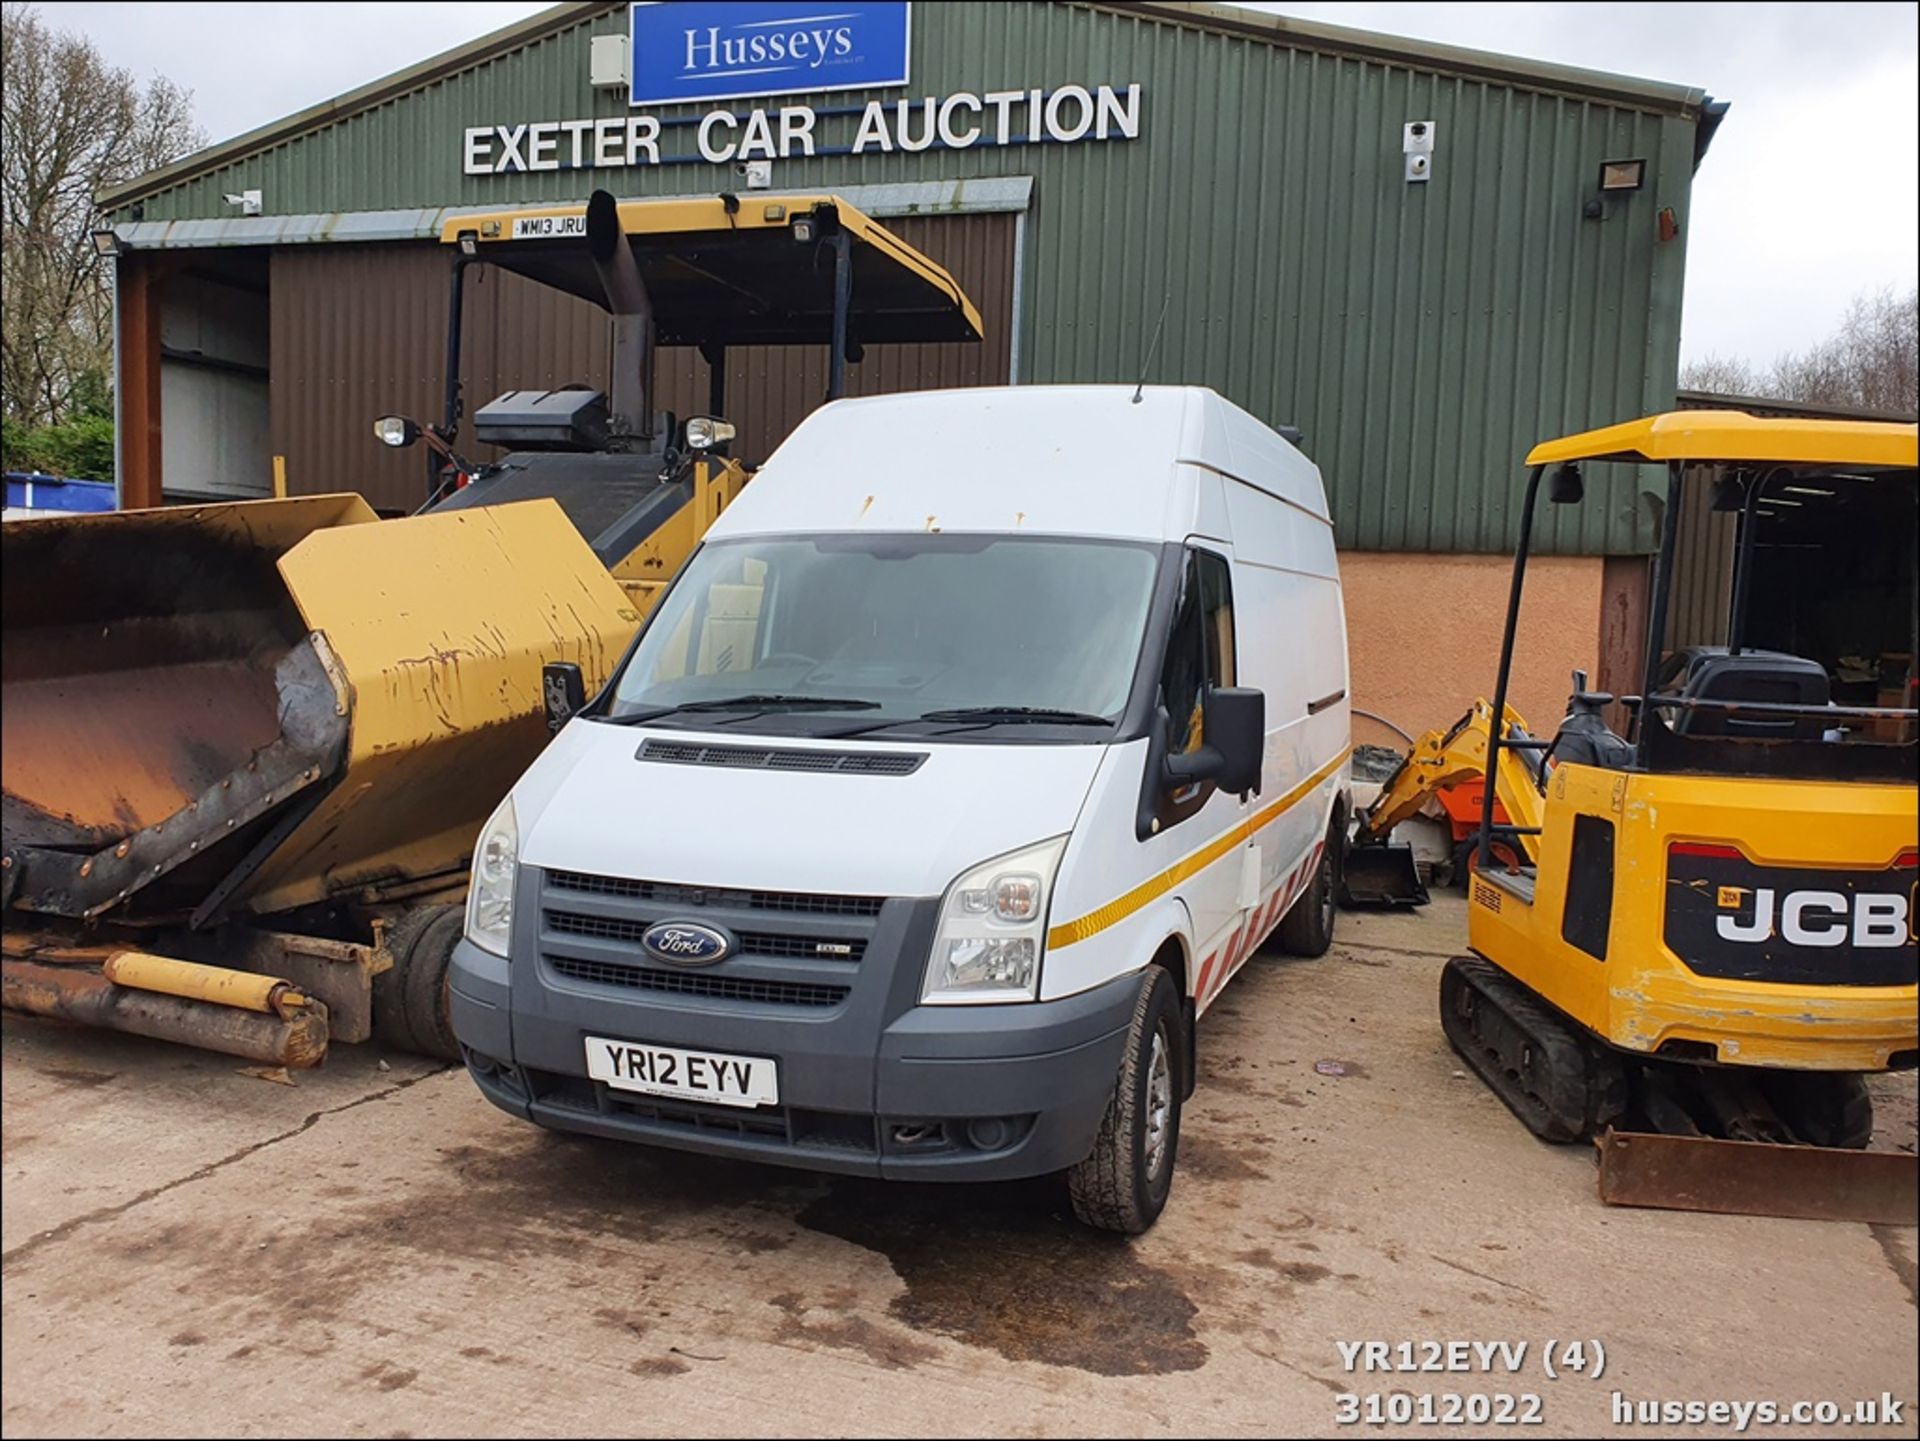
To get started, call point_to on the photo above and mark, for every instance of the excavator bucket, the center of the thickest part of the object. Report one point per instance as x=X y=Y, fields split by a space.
x=158 y=694
x=218 y=710
x=263 y=704
x=1755 y=1178
x=1382 y=874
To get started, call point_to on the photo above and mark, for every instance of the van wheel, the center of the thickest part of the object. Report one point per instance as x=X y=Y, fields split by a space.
x=1123 y=1184
x=1307 y=927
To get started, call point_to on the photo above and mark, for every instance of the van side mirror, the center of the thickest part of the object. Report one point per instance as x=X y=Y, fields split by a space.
x=1235 y=726
x=564 y=691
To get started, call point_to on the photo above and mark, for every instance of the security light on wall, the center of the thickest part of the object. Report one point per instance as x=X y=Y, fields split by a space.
x=106 y=244
x=1621 y=175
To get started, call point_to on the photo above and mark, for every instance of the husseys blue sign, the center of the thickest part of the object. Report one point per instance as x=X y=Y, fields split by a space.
x=694 y=50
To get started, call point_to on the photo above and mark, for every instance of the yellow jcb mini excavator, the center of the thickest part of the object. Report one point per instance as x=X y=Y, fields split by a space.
x=249 y=746
x=1702 y=937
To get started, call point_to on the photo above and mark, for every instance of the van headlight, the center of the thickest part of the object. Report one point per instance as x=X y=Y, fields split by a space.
x=993 y=930
x=496 y=861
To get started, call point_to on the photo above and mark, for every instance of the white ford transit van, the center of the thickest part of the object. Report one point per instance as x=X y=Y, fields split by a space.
x=981 y=742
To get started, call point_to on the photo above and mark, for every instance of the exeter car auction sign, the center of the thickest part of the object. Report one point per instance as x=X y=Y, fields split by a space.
x=702 y=50
x=729 y=51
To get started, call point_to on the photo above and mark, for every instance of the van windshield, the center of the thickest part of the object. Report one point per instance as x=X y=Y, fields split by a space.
x=871 y=630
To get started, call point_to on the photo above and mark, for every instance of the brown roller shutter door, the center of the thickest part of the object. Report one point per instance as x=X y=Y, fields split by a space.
x=359 y=331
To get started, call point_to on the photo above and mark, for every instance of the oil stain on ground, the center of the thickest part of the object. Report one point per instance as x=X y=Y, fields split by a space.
x=998 y=1267
x=1002 y=1268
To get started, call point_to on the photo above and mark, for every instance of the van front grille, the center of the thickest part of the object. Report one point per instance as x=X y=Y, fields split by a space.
x=752 y=943
x=694 y=983
x=799 y=903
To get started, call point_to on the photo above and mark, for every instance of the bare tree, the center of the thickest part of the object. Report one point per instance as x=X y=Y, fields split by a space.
x=1719 y=375
x=1872 y=362
x=71 y=125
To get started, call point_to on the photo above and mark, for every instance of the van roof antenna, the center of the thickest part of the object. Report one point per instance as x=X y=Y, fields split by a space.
x=1147 y=359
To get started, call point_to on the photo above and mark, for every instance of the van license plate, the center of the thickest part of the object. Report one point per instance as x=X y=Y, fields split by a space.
x=684 y=1075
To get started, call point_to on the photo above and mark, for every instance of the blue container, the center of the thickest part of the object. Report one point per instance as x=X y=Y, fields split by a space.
x=31 y=490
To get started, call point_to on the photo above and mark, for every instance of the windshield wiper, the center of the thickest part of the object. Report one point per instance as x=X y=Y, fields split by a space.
x=1016 y=715
x=757 y=702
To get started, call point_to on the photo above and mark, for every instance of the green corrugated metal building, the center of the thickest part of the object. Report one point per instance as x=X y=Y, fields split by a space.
x=1422 y=314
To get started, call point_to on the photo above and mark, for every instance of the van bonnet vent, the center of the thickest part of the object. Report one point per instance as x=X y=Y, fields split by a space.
x=868 y=763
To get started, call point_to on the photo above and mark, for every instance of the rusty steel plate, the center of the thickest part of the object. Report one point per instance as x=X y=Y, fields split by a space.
x=1752 y=1178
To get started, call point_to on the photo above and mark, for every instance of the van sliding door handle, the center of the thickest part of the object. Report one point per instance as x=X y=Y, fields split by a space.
x=1314 y=707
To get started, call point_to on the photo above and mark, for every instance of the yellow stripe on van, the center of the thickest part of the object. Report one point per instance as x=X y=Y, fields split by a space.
x=1118 y=909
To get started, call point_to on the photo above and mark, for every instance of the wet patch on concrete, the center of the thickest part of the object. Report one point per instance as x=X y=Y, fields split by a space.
x=389 y=1377
x=761 y=1245
x=626 y=1321
x=75 y=1076
x=1901 y=1264
x=534 y=1198
x=1201 y=1158
x=1304 y=1273
x=834 y=1322
x=1000 y=1268
x=659 y=1366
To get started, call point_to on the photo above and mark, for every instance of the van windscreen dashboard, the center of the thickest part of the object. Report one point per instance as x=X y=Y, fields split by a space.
x=1008 y=636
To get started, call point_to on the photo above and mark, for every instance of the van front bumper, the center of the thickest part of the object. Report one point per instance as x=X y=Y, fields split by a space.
x=930 y=1093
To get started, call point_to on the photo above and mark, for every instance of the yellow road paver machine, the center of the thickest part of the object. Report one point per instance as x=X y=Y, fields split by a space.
x=248 y=746
x=1695 y=941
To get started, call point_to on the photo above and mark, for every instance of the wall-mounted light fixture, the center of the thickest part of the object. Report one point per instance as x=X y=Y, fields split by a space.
x=106 y=244
x=1617 y=178
x=1618 y=175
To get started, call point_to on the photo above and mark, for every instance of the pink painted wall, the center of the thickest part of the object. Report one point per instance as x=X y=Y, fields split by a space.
x=1423 y=634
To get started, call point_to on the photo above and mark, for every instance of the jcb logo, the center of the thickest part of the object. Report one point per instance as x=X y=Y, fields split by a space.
x=1817 y=918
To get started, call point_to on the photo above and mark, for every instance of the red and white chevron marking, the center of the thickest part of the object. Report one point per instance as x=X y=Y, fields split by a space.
x=1221 y=963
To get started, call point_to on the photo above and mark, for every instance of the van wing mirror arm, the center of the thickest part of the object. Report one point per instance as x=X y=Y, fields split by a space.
x=1200 y=764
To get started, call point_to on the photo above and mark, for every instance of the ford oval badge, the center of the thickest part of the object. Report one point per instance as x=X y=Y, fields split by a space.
x=686 y=943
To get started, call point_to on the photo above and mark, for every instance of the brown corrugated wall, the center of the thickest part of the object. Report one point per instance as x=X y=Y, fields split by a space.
x=359 y=331
x=1702 y=568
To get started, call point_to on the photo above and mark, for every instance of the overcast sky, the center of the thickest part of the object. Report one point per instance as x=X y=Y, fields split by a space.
x=1808 y=196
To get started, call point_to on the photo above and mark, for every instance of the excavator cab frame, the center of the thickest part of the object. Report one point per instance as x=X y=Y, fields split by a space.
x=1743 y=456
x=1713 y=941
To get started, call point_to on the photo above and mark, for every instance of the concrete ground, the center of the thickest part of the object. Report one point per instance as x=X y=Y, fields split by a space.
x=376 y=1252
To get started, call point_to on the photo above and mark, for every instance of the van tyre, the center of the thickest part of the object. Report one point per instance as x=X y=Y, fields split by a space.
x=1307 y=927
x=1124 y=1183
x=410 y=998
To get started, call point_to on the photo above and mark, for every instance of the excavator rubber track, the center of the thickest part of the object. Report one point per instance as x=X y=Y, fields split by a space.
x=1560 y=1084
x=1718 y=1139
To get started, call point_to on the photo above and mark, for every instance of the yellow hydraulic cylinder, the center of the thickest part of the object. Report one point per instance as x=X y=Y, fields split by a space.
x=216 y=985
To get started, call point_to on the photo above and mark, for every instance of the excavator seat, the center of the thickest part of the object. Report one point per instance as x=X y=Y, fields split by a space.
x=1766 y=676
x=1585 y=739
